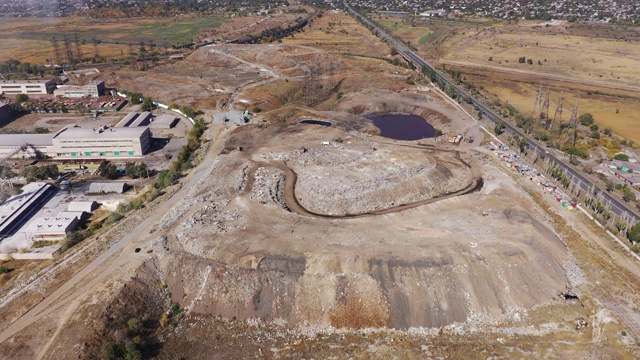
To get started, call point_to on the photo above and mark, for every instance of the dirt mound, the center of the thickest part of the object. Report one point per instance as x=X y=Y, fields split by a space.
x=240 y=255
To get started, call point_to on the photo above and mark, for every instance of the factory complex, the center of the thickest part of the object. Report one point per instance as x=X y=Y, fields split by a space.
x=74 y=142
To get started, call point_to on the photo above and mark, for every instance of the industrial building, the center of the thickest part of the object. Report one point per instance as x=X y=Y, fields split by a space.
x=75 y=142
x=5 y=110
x=18 y=209
x=83 y=206
x=24 y=145
x=103 y=142
x=127 y=119
x=166 y=121
x=134 y=119
x=28 y=87
x=92 y=89
x=108 y=187
x=142 y=120
x=54 y=228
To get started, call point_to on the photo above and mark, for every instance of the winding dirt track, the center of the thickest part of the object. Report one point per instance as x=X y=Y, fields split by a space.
x=475 y=183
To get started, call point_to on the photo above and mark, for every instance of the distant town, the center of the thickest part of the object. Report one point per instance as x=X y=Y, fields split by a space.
x=577 y=10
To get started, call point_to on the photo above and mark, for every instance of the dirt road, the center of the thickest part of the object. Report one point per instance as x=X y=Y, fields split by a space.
x=100 y=268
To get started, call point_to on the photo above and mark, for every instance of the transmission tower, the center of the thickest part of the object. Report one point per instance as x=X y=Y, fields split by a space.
x=545 y=107
x=95 y=47
x=143 y=55
x=573 y=123
x=56 y=50
x=78 y=49
x=67 y=47
x=132 y=58
x=538 y=99
x=558 y=114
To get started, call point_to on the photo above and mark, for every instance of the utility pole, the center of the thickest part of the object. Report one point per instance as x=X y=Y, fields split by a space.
x=538 y=99
x=56 y=50
x=545 y=107
x=143 y=55
x=558 y=114
x=573 y=123
x=78 y=48
x=132 y=57
x=67 y=47
x=95 y=48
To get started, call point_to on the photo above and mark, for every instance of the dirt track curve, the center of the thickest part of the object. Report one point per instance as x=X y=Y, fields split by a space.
x=294 y=205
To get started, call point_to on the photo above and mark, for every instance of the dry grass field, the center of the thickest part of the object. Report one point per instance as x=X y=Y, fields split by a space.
x=339 y=33
x=617 y=111
x=596 y=65
x=29 y=39
x=554 y=52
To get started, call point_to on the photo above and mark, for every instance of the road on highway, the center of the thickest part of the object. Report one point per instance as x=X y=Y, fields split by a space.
x=585 y=184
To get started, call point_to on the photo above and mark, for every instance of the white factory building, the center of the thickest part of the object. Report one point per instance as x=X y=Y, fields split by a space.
x=93 y=89
x=54 y=228
x=76 y=142
x=28 y=87
x=103 y=142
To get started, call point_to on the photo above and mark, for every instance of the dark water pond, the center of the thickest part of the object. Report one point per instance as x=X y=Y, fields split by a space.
x=402 y=127
x=316 y=122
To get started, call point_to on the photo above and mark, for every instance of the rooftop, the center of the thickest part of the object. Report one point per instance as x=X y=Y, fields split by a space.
x=22 y=139
x=13 y=208
x=165 y=119
x=24 y=81
x=75 y=132
x=64 y=221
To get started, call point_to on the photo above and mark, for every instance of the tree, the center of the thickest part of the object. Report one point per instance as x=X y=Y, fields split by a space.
x=628 y=194
x=634 y=233
x=621 y=157
x=135 y=98
x=594 y=127
x=499 y=128
x=530 y=62
x=6 y=172
x=22 y=98
x=111 y=350
x=167 y=178
x=108 y=170
x=32 y=173
x=147 y=104
x=131 y=351
x=586 y=119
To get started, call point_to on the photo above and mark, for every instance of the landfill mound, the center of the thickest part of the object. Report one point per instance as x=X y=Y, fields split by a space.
x=241 y=252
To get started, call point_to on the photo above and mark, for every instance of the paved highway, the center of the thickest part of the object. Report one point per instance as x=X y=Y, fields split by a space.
x=616 y=206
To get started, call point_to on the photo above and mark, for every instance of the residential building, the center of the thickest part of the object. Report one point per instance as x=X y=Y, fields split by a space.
x=28 y=87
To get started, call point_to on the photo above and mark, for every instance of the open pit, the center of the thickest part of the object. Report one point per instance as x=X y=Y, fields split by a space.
x=295 y=225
